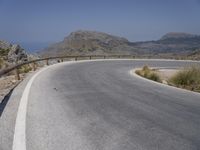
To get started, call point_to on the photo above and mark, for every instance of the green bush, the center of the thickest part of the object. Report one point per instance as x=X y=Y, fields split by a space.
x=25 y=69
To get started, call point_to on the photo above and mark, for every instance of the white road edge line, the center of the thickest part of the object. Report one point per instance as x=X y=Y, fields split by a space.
x=19 y=141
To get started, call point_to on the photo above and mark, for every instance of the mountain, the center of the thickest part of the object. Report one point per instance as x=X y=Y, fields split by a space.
x=177 y=43
x=92 y=42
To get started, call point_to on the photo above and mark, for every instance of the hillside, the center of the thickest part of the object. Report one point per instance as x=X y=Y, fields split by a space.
x=92 y=42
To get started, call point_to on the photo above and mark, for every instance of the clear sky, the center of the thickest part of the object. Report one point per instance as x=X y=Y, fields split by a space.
x=36 y=23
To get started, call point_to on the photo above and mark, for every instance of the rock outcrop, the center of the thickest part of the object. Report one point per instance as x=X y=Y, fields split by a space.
x=12 y=53
x=17 y=54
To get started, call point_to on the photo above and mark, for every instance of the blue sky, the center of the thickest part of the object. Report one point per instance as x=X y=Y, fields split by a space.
x=37 y=23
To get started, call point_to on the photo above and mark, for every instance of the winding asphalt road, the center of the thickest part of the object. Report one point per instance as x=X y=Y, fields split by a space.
x=99 y=105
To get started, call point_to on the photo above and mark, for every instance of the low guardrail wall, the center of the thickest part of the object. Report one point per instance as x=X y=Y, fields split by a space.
x=60 y=58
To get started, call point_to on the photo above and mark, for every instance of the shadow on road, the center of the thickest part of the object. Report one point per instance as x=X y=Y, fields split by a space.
x=4 y=102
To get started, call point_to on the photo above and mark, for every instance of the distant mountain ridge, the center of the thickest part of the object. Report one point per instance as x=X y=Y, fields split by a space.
x=176 y=35
x=177 y=43
x=92 y=42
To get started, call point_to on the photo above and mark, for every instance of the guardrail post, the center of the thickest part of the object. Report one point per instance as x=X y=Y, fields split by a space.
x=76 y=58
x=104 y=57
x=62 y=60
x=90 y=57
x=34 y=66
x=17 y=76
x=47 y=62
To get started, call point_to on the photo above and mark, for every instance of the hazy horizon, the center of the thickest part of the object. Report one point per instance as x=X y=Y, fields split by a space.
x=36 y=24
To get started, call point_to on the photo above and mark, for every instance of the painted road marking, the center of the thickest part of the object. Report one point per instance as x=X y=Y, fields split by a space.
x=19 y=141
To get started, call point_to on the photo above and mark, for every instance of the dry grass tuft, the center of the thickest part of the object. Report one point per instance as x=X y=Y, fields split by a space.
x=148 y=73
x=188 y=78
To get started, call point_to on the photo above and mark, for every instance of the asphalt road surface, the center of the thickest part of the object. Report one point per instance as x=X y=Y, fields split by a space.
x=99 y=105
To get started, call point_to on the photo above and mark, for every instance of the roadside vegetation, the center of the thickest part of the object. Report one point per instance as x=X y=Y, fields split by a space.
x=1 y=63
x=4 y=52
x=188 y=78
x=25 y=69
x=148 y=73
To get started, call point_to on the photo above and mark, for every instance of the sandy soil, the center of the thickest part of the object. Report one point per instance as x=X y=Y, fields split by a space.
x=166 y=74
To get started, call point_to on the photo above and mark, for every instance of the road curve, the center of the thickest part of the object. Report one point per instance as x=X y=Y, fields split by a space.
x=99 y=105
